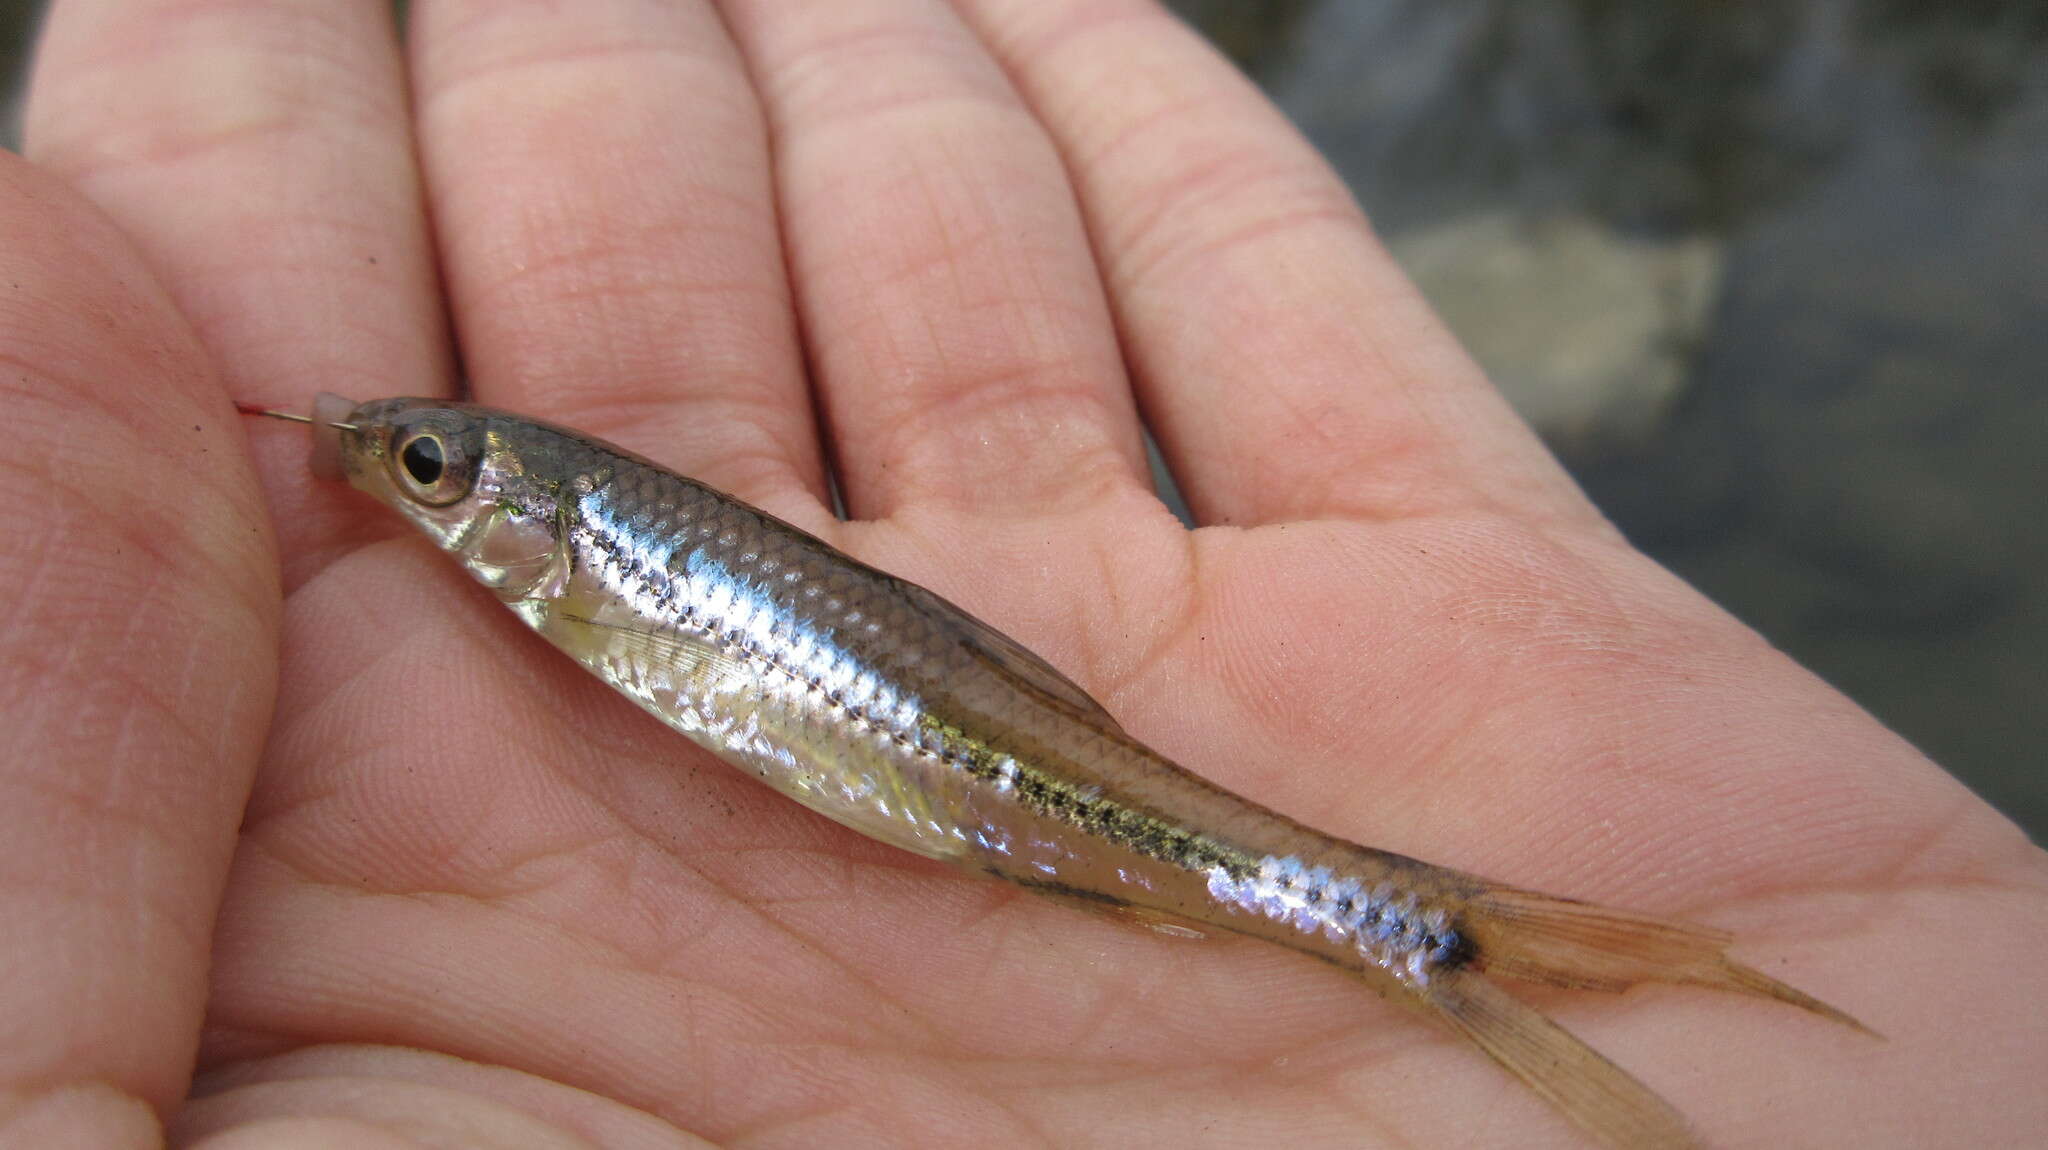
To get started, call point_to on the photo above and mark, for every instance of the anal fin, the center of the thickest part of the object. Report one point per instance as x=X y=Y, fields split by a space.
x=1109 y=906
x=1161 y=922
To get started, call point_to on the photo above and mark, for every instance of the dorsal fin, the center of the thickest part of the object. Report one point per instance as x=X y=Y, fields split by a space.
x=1007 y=653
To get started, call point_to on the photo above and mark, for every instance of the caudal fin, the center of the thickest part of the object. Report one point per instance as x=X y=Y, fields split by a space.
x=1563 y=942
x=1521 y=934
x=1603 y=1099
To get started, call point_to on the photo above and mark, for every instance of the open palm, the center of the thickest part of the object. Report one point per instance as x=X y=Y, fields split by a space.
x=459 y=893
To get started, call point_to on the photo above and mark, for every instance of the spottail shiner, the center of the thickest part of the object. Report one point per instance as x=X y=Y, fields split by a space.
x=882 y=706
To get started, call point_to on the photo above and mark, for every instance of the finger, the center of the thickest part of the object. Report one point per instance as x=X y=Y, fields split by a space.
x=136 y=671
x=1287 y=366
x=600 y=171
x=255 y=1102
x=258 y=151
x=963 y=348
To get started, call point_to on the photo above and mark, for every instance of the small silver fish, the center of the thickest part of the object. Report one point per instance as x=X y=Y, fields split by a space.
x=883 y=707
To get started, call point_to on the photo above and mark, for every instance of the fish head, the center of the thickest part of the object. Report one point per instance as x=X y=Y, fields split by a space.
x=477 y=482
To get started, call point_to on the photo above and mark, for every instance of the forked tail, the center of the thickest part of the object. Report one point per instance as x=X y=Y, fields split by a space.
x=1521 y=934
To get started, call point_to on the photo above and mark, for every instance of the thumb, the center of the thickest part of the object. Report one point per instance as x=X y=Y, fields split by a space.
x=137 y=663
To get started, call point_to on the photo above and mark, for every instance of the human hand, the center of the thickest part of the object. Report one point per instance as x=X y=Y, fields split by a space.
x=474 y=897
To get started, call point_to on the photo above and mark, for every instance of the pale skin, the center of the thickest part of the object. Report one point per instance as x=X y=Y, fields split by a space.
x=439 y=888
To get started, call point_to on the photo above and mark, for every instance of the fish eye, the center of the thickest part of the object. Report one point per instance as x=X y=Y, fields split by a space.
x=423 y=459
x=432 y=467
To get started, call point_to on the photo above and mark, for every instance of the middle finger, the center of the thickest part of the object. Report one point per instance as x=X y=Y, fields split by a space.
x=962 y=344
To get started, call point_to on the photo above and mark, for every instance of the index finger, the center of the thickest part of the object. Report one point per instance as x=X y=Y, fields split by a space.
x=260 y=155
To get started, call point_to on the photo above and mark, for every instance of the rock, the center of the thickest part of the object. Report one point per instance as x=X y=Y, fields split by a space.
x=1588 y=332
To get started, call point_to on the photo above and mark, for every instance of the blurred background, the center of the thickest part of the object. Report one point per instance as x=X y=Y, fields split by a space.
x=1771 y=277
